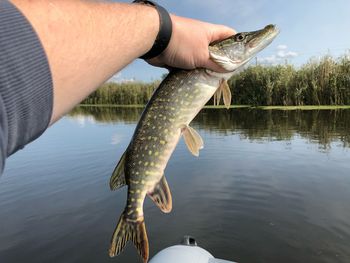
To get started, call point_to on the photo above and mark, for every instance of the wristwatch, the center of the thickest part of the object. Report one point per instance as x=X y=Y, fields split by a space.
x=165 y=30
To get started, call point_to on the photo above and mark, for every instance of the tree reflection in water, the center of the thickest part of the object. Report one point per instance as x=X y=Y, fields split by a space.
x=319 y=126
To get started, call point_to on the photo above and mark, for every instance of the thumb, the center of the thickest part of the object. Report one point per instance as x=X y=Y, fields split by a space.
x=219 y=32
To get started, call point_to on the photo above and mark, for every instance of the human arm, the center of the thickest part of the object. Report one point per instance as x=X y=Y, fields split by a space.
x=68 y=48
x=25 y=83
x=87 y=42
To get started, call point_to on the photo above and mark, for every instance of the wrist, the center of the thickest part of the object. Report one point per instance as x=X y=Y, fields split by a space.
x=164 y=33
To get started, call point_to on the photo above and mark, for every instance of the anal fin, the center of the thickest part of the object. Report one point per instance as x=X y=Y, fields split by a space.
x=118 y=177
x=193 y=140
x=161 y=196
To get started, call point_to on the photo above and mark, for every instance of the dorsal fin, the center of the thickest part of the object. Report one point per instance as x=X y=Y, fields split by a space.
x=118 y=177
x=161 y=196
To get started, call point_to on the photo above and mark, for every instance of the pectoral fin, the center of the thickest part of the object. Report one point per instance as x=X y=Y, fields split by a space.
x=161 y=196
x=118 y=177
x=226 y=93
x=193 y=140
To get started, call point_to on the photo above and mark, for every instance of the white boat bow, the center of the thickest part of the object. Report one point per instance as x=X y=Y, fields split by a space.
x=186 y=252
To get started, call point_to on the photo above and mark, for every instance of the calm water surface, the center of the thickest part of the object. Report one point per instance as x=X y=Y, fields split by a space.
x=269 y=186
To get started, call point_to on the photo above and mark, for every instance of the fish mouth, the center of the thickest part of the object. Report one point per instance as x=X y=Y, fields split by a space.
x=262 y=38
x=273 y=30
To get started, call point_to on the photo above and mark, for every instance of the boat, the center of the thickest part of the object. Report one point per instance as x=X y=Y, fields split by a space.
x=186 y=252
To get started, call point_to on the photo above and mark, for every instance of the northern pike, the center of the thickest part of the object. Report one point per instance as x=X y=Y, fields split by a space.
x=173 y=105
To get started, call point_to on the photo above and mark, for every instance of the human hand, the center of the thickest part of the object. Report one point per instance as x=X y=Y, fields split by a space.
x=188 y=46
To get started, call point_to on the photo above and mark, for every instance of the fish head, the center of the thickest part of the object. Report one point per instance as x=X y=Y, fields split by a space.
x=234 y=51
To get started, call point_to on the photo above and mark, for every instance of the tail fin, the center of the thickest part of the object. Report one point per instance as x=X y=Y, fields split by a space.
x=130 y=230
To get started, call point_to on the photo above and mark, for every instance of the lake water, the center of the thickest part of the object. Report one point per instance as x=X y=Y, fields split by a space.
x=269 y=186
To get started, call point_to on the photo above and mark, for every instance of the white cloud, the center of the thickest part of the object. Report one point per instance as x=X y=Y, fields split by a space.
x=268 y=60
x=286 y=54
x=282 y=54
x=116 y=77
x=119 y=79
x=282 y=47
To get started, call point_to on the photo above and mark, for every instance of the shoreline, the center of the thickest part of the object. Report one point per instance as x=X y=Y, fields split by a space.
x=305 y=107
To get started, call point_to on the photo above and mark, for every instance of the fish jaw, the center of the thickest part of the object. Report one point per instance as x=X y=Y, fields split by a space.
x=235 y=51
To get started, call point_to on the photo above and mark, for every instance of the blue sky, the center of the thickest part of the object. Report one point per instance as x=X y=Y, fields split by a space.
x=308 y=28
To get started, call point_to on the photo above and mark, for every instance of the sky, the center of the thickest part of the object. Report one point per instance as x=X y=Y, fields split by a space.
x=309 y=28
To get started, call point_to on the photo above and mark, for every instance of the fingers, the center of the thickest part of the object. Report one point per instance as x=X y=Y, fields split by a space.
x=188 y=47
x=219 y=32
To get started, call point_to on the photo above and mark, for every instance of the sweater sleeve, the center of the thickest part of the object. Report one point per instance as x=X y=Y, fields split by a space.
x=26 y=89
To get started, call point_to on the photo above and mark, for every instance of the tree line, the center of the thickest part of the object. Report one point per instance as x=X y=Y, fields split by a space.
x=325 y=81
x=131 y=93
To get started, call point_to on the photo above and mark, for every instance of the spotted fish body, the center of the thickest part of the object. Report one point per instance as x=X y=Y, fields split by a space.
x=172 y=107
x=174 y=104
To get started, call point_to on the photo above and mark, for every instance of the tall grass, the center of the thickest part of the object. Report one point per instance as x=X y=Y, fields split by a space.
x=122 y=93
x=319 y=82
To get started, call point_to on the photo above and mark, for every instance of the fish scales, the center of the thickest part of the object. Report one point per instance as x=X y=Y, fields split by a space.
x=173 y=105
x=159 y=130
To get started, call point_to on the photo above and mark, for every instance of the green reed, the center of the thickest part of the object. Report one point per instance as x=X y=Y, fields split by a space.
x=325 y=81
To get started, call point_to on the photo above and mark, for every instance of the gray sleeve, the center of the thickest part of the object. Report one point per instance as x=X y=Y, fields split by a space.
x=26 y=95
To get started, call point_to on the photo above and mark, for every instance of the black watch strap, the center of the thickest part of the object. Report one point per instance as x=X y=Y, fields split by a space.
x=165 y=30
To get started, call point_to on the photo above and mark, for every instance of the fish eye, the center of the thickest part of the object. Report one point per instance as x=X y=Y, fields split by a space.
x=240 y=37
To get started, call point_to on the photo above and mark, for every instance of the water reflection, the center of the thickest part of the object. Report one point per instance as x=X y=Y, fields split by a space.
x=317 y=126
x=260 y=191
